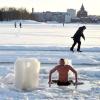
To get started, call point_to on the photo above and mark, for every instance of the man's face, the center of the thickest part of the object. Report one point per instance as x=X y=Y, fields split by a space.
x=62 y=62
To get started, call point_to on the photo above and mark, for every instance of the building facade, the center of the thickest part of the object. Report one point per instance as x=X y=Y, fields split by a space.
x=72 y=12
x=67 y=18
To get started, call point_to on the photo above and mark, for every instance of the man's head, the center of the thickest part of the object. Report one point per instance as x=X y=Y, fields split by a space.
x=61 y=61
x=84 y=27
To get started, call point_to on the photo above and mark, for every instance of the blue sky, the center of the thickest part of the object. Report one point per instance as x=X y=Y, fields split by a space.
x=92 y=6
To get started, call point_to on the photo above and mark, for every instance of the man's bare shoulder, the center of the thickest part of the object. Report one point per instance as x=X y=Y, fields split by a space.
x=57 y=66
x=68 y=66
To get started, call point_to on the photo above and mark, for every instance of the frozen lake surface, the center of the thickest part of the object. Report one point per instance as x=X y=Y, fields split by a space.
x=48 y=43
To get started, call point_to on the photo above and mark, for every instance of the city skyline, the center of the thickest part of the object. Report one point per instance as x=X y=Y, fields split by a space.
x=91 y=6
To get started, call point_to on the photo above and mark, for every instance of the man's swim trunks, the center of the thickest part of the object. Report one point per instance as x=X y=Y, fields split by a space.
x=62 y=83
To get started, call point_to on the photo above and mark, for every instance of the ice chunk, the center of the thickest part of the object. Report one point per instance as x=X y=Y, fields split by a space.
x=27 y=73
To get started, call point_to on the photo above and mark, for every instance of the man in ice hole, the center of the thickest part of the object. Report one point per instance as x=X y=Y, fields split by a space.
x=62 y=70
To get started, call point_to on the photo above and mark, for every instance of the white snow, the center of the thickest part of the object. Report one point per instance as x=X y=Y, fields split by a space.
x=48 y=42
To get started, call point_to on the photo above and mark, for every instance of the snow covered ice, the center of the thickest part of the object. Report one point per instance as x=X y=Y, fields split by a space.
x=49 y=42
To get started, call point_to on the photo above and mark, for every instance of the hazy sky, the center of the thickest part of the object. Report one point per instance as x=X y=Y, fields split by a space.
x=92 y=6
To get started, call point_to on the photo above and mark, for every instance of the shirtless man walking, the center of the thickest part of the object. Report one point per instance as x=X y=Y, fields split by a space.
x=62 y=70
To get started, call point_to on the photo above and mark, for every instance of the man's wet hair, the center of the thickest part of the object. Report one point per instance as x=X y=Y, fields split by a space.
x=62 y=59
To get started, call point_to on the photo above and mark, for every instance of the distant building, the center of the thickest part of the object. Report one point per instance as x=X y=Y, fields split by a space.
x=67 y=18
x=82 y=12
x=49 y=16
x=71 y=13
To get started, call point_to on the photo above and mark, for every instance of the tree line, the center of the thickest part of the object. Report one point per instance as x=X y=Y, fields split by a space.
x=7 y=14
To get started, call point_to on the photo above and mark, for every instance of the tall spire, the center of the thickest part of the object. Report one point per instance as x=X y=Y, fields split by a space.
x=82 y=7
x=82 y=12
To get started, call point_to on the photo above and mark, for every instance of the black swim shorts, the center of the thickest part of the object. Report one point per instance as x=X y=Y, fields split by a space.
x=62 y=83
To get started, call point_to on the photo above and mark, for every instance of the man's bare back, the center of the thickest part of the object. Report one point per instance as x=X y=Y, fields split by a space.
x=62 y=70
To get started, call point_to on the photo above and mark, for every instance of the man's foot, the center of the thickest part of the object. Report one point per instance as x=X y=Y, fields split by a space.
x=79 y=51
x=71 y=50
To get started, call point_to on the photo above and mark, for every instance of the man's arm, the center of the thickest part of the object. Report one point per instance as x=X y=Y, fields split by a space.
x=50 y=74
x=74 y=71
x=83 y=36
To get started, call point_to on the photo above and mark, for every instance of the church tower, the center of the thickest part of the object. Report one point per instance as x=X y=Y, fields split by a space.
x=82 y=12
